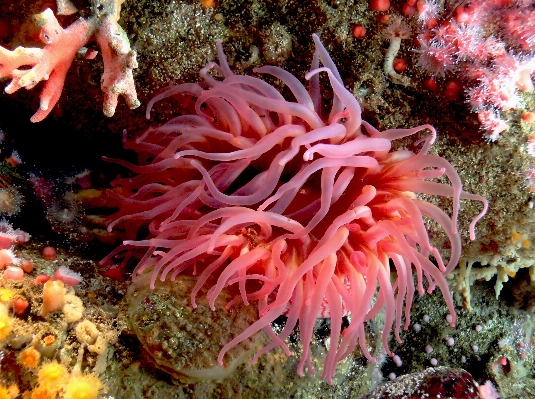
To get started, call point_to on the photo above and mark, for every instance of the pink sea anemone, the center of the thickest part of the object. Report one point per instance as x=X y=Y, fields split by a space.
x=308 y=212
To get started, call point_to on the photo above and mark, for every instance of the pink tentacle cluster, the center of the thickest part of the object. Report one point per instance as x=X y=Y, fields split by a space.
x=303 y=213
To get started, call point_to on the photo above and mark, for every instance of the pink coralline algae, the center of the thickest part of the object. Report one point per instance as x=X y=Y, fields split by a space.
x=305 y=210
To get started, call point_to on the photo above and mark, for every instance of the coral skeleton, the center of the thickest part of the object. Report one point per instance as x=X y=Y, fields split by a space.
x=52 y=62
x=302 y=207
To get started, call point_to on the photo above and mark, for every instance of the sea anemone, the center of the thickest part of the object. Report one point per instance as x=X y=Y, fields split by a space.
x=10 y=201
x=304 y=208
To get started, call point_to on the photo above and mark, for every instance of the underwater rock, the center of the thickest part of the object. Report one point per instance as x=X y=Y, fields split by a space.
x=183 y=341
x=434 y=382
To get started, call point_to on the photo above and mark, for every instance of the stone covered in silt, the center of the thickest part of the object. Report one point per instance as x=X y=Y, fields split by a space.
x=183 y=341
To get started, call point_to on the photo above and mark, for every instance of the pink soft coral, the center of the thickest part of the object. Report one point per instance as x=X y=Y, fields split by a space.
x=489 y=44
x=52 y=62
x=305 y=212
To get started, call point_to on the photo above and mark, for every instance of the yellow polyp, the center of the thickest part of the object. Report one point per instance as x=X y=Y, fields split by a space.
x=42 y=393
x=13 y=391
x=526 y=243
x=52 y=376
x=511 y=273
x=517 y=237
x=208 y=3
x=6 y=324
x=29 y=358
x=4 y=394
x=83 y=387
x=5 y=295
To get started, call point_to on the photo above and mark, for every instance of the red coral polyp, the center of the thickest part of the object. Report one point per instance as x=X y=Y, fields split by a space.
x=307 y=214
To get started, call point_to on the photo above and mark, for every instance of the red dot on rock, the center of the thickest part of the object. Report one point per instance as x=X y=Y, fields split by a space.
x=19 y=306
x=26 y=265
x=453 y=87
x=431 y=84
x=529 y=116
x=400 y=64
x=408 y=10
x=49 y=253
x=379 y=5
x=383 y=18
x=359 y=31
x=41 y=279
